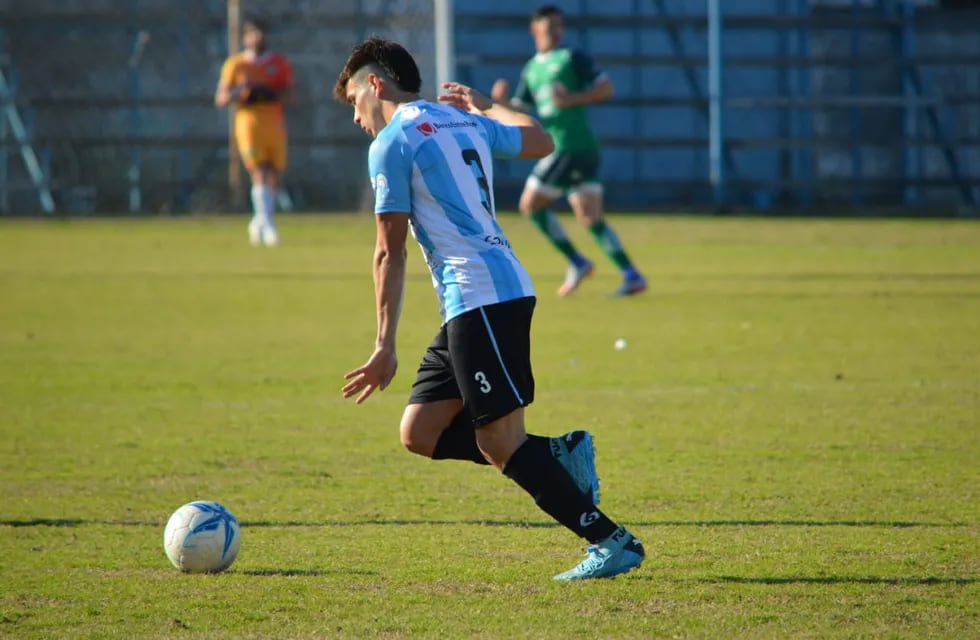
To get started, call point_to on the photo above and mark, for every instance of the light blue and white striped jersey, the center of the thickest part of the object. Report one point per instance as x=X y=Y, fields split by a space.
x=435 y=163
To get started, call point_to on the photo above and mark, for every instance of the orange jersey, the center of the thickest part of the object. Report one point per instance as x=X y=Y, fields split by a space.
x=262 y=79
x=257 y=85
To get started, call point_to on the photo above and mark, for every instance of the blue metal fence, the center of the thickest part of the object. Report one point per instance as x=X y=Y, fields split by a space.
x=766 y=103
x=755 y=103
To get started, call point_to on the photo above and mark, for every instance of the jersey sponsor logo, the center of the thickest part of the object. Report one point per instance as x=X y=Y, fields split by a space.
x=496 y=241
x=380 y=185
x=429 y=128
x=587 y=518
x=456 y=124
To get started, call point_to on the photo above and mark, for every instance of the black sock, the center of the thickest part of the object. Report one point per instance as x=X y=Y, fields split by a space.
x=536 y=471
x=458 y=442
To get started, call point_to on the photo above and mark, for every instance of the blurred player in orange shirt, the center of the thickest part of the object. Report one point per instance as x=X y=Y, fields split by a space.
x=258 y=81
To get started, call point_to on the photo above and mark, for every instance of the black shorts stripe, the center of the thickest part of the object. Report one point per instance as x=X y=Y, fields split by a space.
x=496 y=349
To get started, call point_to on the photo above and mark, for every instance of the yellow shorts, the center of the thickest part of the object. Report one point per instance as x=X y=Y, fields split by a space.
x=261 y=137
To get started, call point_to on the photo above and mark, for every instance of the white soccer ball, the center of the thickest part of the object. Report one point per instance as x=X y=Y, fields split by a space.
x=202 y=537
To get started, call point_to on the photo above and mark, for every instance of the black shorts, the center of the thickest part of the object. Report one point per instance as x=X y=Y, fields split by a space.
x=482 y=357
x=567 y=169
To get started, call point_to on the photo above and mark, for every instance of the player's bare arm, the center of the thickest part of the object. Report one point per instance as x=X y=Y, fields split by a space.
x=600 y=90
x=535 y=141
x=225 y=92
x=390 y=257
x=222 y=96
x=225 y=95
x=500 y=93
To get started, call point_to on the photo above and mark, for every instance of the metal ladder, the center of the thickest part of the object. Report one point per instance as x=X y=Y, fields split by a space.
x=9 y=115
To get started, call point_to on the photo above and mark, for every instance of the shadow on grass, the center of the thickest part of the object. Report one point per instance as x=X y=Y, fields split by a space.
x=660 y=523
x=404 y=522
x=843 y=580
x=305 y=572
x=47 y=522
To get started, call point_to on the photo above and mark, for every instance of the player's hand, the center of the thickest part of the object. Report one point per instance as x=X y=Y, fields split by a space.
x=465 y=98
x=239 y=92
x=500 y=91
x=560 y=96
x=376 y=373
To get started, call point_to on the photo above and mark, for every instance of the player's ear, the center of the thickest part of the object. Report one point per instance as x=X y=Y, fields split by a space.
x=377 y=84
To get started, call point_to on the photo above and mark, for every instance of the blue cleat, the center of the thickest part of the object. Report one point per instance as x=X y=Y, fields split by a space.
x=632 y=285
x=575 y=452
x=574 y=277
x=617 y=554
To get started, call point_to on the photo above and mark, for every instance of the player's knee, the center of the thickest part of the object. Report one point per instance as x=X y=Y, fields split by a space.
x=416 y=439
x=526 y=205
x=413 y=445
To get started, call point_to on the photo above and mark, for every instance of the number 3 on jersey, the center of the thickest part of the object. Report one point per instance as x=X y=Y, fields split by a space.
x=472 y=158
x=481 y=377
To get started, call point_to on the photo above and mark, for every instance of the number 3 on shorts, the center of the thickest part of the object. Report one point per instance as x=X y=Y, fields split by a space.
x=481 y=377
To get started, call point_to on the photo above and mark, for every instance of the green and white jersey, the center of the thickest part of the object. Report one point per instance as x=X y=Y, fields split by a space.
x=575 y=70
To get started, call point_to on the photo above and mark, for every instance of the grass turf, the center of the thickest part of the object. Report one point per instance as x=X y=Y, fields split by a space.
x=793 y=431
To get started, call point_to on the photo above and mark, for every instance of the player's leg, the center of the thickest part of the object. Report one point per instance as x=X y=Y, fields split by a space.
x=265 y=185
x=274 y=164
x=540 y=191
x=491 y=354
x=246 y=137
x=440 y=430
x=434 y=423
x=268 y=159
x=526 y=460
x=586 y=200
x=437 y=425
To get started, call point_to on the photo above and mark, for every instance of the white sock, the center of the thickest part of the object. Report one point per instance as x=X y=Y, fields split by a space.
x=269 y=199
x=261 y=217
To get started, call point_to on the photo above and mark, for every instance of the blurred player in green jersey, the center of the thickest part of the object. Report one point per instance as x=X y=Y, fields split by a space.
x=558 y=83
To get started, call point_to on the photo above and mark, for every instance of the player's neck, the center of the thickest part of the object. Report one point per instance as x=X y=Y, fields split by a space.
x=392 y=105
x=545 y=49
x=399 y=98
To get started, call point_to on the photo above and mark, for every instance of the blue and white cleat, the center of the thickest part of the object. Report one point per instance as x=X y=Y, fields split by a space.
x=576 y=453
x=574 y=277
x=617 y=554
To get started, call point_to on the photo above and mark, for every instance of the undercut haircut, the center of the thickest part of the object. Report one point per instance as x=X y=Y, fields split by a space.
x=389 y=57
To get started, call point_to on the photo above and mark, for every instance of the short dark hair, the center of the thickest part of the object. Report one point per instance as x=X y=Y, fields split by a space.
x=255 y=24
x=392 y=58
x=546 y=11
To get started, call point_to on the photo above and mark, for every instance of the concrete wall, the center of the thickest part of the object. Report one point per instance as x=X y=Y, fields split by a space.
x=71 y=62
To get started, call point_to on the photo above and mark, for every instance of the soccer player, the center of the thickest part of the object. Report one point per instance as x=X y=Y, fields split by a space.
x=431 y=166
x=558 y=83
x=258 y=81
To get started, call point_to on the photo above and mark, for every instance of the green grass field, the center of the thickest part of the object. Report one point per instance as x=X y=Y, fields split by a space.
x=793 y=432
